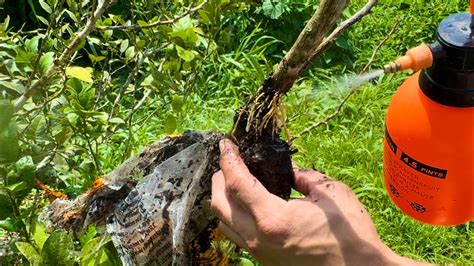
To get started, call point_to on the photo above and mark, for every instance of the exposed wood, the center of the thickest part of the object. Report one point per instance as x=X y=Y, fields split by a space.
x=307 y=44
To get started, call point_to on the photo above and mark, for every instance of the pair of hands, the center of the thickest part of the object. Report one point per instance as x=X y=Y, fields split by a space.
x=329 y=226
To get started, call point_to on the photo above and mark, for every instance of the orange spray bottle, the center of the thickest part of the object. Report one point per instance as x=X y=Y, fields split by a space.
x=429 y=140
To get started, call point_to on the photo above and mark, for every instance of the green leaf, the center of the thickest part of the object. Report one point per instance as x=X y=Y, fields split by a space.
x=6 y=208
x=58 y=249
x=5 y=24
x=43 y=20
x=62 y=136
x=177 y=103
x=124 y=45
x=30 y=253
x=96 y=58
x=8 y=225
x=245 y=262
x=81 y=73
x=13 y=88
x=6 y=113
x=46 y=62
x=31 y=45
x=9 y=147
x=39 y=234
x=72 y=118
x=273 y=10
x=170 y=124
x=45 y=6
x=89 y=235
x=71 y=15
x=14 y=188
x=24 y=171
x=184 y=54
x=130 y=52
x=93 y=252
x=184 y=29
x=117 y=120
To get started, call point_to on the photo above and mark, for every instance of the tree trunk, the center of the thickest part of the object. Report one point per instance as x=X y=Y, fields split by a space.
x=256 y=128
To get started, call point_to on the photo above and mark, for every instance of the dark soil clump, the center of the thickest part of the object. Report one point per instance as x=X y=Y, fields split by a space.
x=267 y=156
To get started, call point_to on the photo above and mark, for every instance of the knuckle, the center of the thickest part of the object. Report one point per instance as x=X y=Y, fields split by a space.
x=273 y=228
x=234 y=184
x=252 y=246
x=342 y=186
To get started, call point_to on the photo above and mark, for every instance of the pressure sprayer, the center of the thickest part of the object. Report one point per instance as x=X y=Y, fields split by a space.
x=429 y=130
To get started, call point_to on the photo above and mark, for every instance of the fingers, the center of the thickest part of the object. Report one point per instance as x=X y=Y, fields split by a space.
x=307 y=180
x=239 y=182
x=235 y=237
x=228 y=211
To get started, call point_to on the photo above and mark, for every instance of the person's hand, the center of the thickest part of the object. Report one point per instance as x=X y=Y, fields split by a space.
x=328 y=226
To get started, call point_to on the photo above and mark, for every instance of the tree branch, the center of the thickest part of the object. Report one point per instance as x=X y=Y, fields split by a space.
x=331 y=39
x=310 y=44
x=154 y=24
x=307 y=44
x=65 y=56
x=351 y=92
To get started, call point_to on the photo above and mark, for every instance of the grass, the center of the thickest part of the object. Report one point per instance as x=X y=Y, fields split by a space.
x=349 y=147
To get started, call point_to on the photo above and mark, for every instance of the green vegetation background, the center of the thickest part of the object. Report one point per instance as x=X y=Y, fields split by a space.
x=193 y=75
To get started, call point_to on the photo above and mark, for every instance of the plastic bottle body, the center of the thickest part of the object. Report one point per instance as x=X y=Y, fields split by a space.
x=429 y=157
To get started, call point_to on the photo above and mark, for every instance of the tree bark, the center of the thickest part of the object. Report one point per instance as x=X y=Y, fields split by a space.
x=257 y=125
x=305 y=47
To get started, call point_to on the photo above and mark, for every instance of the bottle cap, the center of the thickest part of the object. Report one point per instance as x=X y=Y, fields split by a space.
x=450 y=81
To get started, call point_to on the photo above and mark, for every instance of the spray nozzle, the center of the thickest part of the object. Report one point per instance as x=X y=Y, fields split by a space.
x=416 y=58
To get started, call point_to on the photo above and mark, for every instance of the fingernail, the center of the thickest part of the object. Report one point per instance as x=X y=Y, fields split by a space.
x=222 y=145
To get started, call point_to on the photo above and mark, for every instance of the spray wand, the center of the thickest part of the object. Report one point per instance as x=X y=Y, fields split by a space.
x=422 y=56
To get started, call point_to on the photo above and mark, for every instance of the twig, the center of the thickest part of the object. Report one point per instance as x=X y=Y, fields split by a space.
x=154 y=24
x=139 y=104
x=374 y=53
x=352 y=91
x=130 y=78
x=329 y=41
x=65 y=56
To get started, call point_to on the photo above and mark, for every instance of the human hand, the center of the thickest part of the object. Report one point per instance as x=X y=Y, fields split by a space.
x=329 y=226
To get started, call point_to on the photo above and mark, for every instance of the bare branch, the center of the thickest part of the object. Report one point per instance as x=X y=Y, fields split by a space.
x=154 y=24
x=131 y=77
x=65 y=56
x=307 y=43
x=329 y=41
x=139 y=104
x=374 y=53
x=352 y=91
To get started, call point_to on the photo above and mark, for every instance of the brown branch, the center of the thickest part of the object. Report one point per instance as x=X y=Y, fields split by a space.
x=306 y=45
x=374 y=53
x=131 y=77
x=65 y=56
x=310 y=44
x=331 y=39
x=352 y=91
x=154 y=24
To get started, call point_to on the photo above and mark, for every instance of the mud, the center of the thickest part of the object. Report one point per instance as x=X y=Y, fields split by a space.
x=267 y=156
